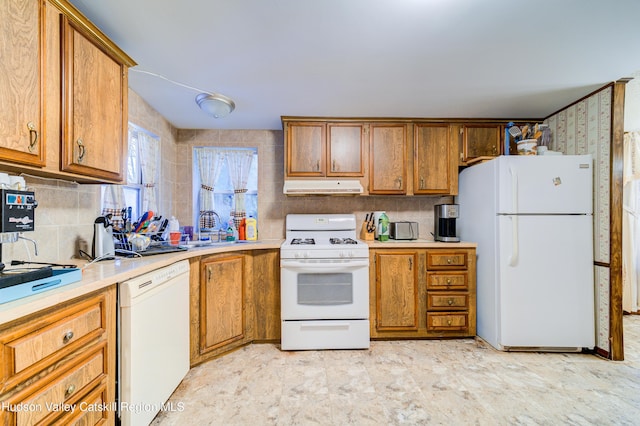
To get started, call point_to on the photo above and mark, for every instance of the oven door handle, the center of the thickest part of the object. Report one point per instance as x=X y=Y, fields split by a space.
x=324 y=267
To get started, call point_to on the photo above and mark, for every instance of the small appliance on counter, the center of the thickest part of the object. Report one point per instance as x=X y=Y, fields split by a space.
x=445 y=216
x=103 y=245
x=403 y=230
x=17 y=211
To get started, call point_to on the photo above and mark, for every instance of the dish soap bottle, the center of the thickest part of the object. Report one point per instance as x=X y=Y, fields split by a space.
x=230 y=232
x=383 y=227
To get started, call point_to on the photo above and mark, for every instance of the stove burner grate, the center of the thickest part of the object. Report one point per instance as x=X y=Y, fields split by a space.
x=342 y=241
x=303 y=241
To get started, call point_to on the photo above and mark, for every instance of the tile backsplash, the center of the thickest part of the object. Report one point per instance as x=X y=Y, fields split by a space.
x=67 y=210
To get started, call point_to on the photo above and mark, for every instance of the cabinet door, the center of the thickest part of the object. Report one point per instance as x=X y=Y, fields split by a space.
x=396 y=291
x=22 y=27
x=221 y=302
x=388 y=159
x=435 y=160
x=306 y=149
x=481 y=140
x=94 y=107
x=345 y=148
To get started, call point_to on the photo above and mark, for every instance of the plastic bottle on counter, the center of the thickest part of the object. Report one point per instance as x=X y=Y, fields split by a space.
x=383 y=227
x=230 y=231
x=251 y=230
x=241 y=230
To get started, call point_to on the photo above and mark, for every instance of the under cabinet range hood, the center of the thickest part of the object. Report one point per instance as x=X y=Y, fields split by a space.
x=323 y=187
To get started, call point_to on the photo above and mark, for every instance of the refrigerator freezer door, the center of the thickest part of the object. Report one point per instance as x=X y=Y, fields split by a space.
x=545 y=184
x=546 y=285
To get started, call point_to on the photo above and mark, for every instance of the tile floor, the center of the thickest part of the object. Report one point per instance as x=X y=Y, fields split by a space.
x=450 y=382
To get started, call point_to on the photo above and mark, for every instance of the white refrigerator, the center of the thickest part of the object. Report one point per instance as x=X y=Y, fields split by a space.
x=532 y=218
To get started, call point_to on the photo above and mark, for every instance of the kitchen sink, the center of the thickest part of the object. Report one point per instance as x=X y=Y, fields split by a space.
x=195 y=244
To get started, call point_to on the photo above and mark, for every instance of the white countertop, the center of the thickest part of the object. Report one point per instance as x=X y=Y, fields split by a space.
x=419 y=244
x=105 y=273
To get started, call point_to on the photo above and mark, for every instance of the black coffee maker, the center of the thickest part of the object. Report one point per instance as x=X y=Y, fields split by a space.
x=445 y=216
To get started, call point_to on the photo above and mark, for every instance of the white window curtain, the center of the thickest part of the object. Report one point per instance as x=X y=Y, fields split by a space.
x=113 y=203
x=631 y=224
x=210 y=161
x=149 y=160
x=133 y=157
x=239 y=165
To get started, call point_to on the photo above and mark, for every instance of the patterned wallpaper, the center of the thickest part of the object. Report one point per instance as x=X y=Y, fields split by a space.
x=585 y=128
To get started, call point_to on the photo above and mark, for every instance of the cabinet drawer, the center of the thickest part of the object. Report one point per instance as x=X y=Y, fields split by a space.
x=447 y=281
x=447 y=321
x=447 y=301
x=95 y=410
x=446 y=260
x=30 y=348
x=48 y=395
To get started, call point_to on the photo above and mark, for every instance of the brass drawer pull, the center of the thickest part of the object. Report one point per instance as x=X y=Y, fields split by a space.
x=450 y=302
x=71 y=389
x=449 y=322
x=448 y=281
x=449 y=260
x=67 y=337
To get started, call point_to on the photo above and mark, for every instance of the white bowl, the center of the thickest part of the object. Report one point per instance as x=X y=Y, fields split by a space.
x=527 y=147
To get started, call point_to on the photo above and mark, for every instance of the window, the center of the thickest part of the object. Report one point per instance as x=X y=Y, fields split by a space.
x=224 y=196
x=140 y=192
x=143 y=168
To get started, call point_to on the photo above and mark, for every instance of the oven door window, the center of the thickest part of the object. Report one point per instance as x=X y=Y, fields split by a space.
x=325 y=289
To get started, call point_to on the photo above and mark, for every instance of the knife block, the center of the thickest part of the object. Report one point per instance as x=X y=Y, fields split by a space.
x=365 y=235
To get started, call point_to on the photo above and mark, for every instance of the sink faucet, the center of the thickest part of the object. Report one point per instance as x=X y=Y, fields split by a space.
x=212 y=216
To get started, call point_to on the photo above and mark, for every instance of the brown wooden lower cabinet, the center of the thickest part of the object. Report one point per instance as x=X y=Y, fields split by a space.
x=222 y=316
x=423 y=293
x=60 y=357
x=235 y=299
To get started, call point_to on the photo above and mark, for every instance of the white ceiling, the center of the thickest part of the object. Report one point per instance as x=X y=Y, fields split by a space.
x=370 y=58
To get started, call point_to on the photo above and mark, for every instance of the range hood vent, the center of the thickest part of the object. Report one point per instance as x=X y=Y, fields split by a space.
x=323 y=187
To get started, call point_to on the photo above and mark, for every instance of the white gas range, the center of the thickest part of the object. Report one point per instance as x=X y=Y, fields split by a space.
x=324 y=283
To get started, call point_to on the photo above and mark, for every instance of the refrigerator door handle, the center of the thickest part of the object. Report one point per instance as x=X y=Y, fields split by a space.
x=513 y=261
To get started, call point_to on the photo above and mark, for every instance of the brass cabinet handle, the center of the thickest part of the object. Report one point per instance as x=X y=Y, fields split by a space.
x=67 y=337
x=71 y=389
x=82 y=151
x=399 y=183
x=333 y=166
x=318 y=166
x=450 y=302
x=33 y=136
x=410 y=264
x=421 y=182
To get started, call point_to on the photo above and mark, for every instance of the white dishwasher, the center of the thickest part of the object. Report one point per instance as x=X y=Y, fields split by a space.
x=153 y=341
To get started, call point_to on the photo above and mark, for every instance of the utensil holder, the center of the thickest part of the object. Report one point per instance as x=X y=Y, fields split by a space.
x=365 y=235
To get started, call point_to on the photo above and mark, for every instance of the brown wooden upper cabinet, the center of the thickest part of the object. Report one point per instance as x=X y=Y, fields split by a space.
x=22 y=82
x=94 y=113
x=345 y=149
x=480 y=140
x=319 y=149
x=435 y=165
x=388 y=158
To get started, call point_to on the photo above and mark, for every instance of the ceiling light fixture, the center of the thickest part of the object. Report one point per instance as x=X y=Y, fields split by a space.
x=215 y=104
